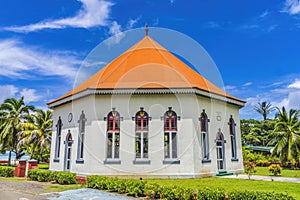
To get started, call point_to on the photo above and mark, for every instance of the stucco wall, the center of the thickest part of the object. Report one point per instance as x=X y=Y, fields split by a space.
x=188 y=108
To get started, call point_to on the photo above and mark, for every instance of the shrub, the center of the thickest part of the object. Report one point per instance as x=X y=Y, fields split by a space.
x=275 y=169
x=237 y=195
x=44 y=175
x=156 y=191
x=6 y=171
x=33 y=174
x=249 y=168
x=64 y=178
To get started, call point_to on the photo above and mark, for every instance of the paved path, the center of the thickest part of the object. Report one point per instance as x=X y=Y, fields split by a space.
x=265 y=178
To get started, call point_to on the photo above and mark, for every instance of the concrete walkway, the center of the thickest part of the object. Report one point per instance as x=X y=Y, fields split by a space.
x=265 y=178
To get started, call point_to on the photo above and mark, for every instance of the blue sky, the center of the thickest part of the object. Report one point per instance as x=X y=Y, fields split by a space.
x=255 y=44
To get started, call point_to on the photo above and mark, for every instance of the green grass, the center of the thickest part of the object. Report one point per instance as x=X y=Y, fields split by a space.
x=60 y=188
x=14 y=179
x=43 y=166
x=235 y=184
x=264 y=171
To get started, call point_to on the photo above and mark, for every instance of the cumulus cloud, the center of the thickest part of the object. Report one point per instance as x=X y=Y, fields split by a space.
x=7 y=91
x=132 y=22
x=93 y=13
x=292 y=7
x=295 y=85
x=21 y=61
x=30 y=95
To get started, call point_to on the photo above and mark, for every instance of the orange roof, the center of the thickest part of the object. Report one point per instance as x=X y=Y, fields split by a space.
x=147 y=65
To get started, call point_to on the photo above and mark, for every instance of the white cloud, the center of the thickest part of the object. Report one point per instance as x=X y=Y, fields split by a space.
x=295 y=85
x=7 y=91
x=247 y=84
x=229 y=87
x=264 y=14
x=21 y=61
x=292 y=7
x=132 y=22
x=30 y=95
x=93 y=13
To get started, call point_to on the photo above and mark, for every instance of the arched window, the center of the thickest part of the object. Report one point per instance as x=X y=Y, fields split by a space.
x=141 y=134
x=82 y=120
x=232 y=138
x=113 y=135
x=68 y=147
x=58 y=139
x=204 y=136
x=170 y=134
x=220 y=151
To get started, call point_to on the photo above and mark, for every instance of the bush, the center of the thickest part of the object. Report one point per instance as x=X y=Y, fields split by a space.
x=275 y=169
x=156 y=191
x=33 y=174
x=249 y=168
x=64 y=178
x=44 y=175
x=6 y=171
x=41 y=175
x=237 y=195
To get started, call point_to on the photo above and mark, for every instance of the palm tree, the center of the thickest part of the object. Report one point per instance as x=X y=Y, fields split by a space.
x=36 y=132
x=12 y=112
x=286 y=135
x=264 y=109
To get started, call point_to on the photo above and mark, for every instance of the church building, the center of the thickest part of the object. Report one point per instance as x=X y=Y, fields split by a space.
x=147 y=114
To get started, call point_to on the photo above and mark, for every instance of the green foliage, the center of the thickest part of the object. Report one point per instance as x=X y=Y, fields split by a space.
x=44 y=175
x=6 y=171
x=238 y=195
x=249 y=168
x=64 y=178
x=275 y=169
x=41 y=175
x=139 y=188
x=33 y=174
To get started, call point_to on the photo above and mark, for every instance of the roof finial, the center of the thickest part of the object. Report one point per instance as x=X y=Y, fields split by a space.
x=147 y=29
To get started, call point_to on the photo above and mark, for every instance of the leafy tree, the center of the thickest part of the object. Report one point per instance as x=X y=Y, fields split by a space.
x=12 y=112
x=286 y=135
x=36 y=132
x=264 y=109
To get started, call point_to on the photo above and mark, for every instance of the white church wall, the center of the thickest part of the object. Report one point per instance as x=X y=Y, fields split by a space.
x=187 y=107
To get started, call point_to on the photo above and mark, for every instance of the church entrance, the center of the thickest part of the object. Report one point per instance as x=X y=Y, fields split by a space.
x=220 y=152
x=68 y=151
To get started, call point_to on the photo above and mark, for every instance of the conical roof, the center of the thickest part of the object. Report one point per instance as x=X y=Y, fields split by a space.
x=147 y=65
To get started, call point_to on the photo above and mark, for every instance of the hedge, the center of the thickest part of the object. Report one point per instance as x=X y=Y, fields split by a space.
x=141 y=188
x=6 y=171
x=43 y=175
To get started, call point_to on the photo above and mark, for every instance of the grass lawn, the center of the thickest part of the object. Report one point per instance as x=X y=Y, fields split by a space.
x=228 y=184
x=263 y=171
x=60 y=188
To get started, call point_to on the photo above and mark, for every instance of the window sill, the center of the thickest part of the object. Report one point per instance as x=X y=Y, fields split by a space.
x=55 y=160
x=171 y=161
x=79 y=161
x=206 y=161
x=234 y=159
x=141 y=162
x=112 y=161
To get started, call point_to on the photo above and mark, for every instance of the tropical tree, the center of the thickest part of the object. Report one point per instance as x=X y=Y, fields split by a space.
x=36 y=132
x=264 y=109
x=12 y=112
x=286 y=135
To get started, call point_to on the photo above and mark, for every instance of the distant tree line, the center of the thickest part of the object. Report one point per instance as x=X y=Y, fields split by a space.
x=282 y=132
x=25 y=130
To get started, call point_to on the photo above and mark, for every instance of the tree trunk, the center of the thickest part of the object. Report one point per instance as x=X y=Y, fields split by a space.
x=9 y=158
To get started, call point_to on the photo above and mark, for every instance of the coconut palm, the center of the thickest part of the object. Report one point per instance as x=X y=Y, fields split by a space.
x=12 y=112
x=264 y=109
x=286 y=134
x=36 y=132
